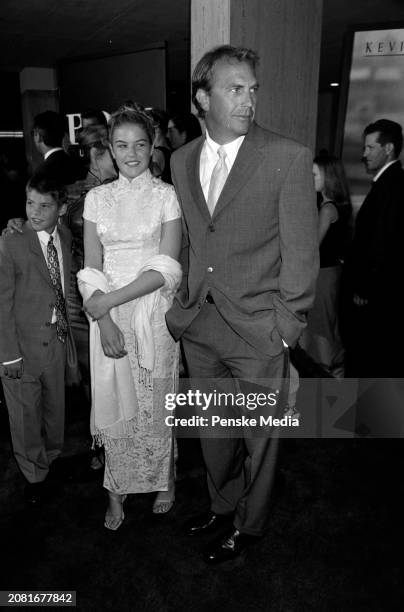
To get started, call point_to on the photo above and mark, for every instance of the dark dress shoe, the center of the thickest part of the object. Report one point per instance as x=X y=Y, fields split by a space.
x=207 y=523
x=229 y=547
x=34 y=493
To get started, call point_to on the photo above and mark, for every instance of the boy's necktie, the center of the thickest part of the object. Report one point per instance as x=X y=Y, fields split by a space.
x=60 y=305
x=217 y=180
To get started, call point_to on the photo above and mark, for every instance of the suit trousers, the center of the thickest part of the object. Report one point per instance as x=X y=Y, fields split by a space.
x=240 y=469
x=36 y=408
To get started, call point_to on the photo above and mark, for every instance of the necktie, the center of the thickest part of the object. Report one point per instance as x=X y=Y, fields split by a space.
x=217 y=180
x=60 y=306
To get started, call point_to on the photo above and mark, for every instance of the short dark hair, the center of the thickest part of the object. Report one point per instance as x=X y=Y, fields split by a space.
x=51 y=126
x=389 y=131
x=202 y=74
x=188 y=123
x=97 y=115
x=132 y=114
x=44 y=184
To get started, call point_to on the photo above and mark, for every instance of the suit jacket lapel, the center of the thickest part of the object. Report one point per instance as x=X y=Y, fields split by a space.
x=194 y=181
x=67 y=260
x=35 y=247
x=245 y=165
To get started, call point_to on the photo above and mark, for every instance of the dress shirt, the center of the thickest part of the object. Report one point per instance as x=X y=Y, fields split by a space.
x=209 y=158
x=378 y=175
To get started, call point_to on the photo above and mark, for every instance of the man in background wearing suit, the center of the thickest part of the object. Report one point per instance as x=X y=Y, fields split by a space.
x=251 y=263
x=48 y=134
x=375 y=333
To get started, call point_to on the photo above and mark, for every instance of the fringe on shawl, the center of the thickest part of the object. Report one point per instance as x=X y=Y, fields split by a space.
x=126 y=440
x=122 y=439
x=145 y=376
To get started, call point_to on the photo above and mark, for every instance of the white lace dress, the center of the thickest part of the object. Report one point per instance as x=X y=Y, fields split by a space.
x=129 y=216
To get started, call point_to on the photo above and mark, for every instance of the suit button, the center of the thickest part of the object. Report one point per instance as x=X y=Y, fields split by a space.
x=210 y=269
x=44 y=343
x=211 y=227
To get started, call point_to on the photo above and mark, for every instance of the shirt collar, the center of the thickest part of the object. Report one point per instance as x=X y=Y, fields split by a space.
x=378 y=175
x=231 y=148
x=48 y=153
x=44 y=236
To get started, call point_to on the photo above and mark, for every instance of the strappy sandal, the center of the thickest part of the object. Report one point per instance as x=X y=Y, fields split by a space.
x=164 y=500
x=112 y=521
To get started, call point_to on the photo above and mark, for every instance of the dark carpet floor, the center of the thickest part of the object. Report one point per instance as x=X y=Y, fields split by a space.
x=332 y=541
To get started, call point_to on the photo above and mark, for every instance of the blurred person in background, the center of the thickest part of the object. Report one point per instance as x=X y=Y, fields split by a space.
x=160 y=161
x=48 y=134
x=93 y=116
x=321 y=338
x=375 y=332
x=182 y=128
x=96 y=157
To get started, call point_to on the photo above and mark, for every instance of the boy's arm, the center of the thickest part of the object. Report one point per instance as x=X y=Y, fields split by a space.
x=9 y=347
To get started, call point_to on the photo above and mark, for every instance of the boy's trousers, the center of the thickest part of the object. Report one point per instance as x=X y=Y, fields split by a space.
x=36 y=408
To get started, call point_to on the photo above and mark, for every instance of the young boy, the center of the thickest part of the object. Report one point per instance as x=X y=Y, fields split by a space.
x=34 y=280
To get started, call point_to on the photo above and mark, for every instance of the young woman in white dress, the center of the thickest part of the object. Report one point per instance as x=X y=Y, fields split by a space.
x=132 y=239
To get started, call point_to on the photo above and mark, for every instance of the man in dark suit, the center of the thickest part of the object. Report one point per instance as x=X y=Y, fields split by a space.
x=250 y=267
x=375 y=331
x=48 y=133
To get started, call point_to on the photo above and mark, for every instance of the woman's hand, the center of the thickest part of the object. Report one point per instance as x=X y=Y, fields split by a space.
x=13 y=225
x=112 y=339
x=98 y=305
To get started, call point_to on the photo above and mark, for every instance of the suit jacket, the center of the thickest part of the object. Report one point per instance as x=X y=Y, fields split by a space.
x=62 y=167
x=27 y=296
x=375 y=262
x=258 y=254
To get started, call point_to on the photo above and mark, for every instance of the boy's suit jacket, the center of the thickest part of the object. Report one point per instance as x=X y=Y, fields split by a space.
x=27 y=298
x=258 y=254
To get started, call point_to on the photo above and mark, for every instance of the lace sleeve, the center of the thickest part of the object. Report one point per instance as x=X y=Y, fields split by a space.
x=171 y=207
x=90 y=207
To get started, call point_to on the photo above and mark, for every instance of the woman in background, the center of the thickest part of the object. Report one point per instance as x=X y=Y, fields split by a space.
x=321 y=339
x=96 y=156
x=160 y=160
